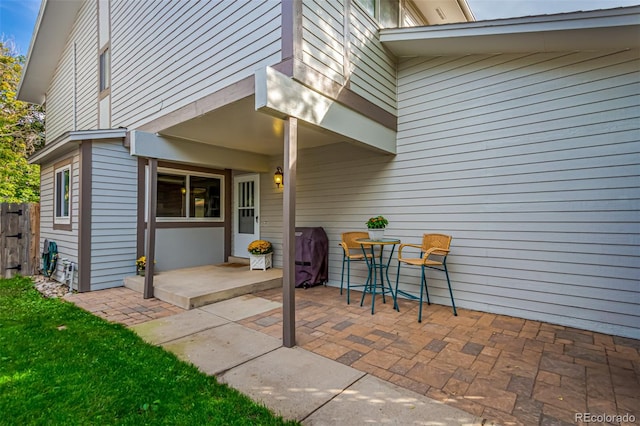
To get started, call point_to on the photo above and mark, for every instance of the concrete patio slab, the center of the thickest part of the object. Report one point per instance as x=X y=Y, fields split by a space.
x=371 y=400
x=218 y=349
x=241 y=307
x=191 y=288
x=291 y=382
x=164 y=330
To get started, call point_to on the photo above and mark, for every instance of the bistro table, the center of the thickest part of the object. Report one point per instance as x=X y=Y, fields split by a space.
x=375 y=264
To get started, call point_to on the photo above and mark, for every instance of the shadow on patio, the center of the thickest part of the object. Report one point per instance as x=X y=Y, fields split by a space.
x=507 y=370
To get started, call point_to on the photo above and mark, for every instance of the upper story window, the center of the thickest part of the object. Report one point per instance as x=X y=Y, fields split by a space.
x=105 y=70
x=189 y=196
x=386 y=12
x=62 y=195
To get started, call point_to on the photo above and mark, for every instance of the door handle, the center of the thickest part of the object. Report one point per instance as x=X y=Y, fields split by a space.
x=256 y=219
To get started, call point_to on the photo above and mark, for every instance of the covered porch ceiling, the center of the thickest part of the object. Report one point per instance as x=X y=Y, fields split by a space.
x=255 y=123
x=240 y=127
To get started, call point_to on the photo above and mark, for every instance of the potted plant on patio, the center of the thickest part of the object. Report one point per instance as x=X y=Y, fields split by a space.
x=141 y=265
x=260 y=255
x=376 y=226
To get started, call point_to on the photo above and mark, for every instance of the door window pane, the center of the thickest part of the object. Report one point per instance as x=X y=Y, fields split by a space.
x=246 y=208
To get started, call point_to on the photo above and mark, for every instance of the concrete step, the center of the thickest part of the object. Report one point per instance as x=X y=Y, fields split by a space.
x=236 y=259
x=194 y=287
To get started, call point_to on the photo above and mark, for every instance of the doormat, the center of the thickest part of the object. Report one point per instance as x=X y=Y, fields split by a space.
x=232 y=265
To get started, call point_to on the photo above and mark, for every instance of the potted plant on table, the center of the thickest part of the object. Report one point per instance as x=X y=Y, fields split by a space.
x=260 y=255
x=376 y=226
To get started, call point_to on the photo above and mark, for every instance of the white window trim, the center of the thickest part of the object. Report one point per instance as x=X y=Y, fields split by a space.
x=186 y=173
x=61 y=220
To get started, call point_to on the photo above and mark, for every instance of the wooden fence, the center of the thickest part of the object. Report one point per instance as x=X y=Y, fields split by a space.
x=19 y=239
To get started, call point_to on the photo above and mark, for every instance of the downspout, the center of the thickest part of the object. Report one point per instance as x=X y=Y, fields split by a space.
x=75 y=88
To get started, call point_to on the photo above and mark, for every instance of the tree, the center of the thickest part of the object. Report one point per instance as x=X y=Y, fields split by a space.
x=21 y=133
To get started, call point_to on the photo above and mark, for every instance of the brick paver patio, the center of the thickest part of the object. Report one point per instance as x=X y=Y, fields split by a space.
x=123 y=305
x=507 y=370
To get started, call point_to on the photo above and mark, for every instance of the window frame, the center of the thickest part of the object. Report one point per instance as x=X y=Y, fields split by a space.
x=62 y=222
x=187 y=174
x=104 y=72
x=377 y=10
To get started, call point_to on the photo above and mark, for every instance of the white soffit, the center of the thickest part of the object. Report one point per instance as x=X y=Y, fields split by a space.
x=49 y=38
x=144 y=144
x=595 y=30
x=281 y=96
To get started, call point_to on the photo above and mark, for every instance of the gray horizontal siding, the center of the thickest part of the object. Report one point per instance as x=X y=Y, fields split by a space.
x=86 y=37
x=59 y=99
x=166 y=54
x=530 y=162
x=67 y=241
x=60 y=95
x=533 y=162
x=113 y=214
x=323 y=38
x=373 y=73
x=371 y=70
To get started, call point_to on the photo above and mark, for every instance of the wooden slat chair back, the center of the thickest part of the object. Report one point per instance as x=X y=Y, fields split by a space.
x=432 y=253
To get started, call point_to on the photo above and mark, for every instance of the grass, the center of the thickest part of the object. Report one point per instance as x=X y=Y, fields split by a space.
x=60 y=365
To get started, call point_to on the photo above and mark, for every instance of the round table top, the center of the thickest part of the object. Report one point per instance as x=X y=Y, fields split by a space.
x=381 y=241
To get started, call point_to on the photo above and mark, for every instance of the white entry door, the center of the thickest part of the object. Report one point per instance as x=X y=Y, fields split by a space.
x=246 y=219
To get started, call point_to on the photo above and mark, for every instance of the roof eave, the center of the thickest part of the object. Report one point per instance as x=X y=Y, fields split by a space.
x=53 y=25
x=595 y=30
x=70 y=140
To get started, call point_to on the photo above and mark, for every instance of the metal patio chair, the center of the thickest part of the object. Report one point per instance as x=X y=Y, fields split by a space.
x=352 y=251
x=433 y=255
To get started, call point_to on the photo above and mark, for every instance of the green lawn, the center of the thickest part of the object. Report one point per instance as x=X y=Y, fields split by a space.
x=60 y=365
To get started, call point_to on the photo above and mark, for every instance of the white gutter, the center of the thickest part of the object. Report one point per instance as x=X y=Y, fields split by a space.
x=70 y=140
x=595 y=30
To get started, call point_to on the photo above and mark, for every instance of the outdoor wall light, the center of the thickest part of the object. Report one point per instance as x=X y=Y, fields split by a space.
x=278 y=177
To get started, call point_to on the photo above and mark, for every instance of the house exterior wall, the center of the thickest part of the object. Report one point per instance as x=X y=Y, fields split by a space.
x=114 y=196
x=323 y=40
x=67 y=240
x=372 y=67
x=188 y=247
x=166 y=55
x=72 y=98
x=529 y=161
x=350 y=57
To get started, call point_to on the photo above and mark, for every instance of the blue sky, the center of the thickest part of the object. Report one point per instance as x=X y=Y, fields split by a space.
x=17 y=17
